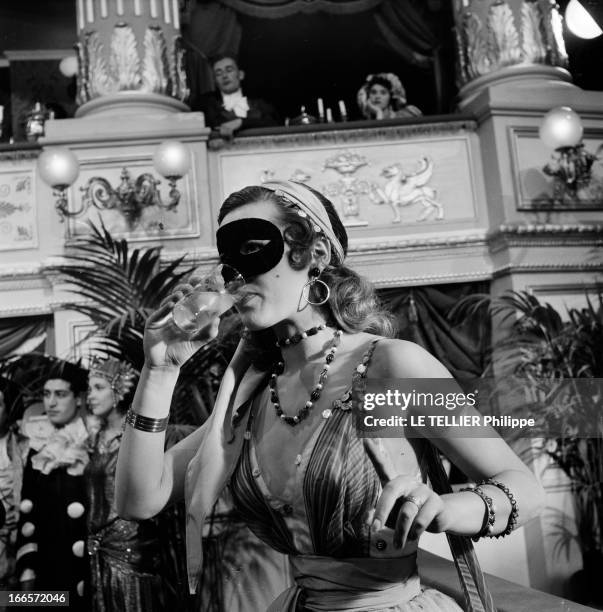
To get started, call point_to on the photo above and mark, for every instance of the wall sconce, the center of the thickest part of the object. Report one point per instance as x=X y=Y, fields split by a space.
x=59 y=168
x=571 y=163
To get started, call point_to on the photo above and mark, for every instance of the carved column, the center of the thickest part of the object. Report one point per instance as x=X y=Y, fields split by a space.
x=130 y=57
x=507 y=40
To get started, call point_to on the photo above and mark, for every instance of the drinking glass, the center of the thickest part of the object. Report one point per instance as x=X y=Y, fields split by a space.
x=212 y=296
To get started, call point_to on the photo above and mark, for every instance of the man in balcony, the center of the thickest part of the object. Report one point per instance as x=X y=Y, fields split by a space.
x=227 y=110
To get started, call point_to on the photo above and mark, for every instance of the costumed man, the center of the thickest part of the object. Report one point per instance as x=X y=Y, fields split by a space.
x=11 y=471
x=228 y=110
x=52 y=523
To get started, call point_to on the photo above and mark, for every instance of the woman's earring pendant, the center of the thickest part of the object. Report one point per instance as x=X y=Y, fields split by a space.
x=314 y=274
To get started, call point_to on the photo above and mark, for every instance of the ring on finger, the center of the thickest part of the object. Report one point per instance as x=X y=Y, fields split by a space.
x=417 y=501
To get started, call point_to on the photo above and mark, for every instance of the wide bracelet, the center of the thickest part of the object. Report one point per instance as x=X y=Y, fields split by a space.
x=143 y=423
x=514 y=511
x=489 y=513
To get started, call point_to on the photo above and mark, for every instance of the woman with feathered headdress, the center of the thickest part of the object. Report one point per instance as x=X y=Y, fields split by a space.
x=124 y=555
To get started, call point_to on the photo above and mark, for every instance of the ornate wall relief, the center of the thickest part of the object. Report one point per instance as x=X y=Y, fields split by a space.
x=495 y=34
x=132 y=201
x=418 y=183
x=129 y=46
x=103 y=71
x=17 y=211
x=540 y=179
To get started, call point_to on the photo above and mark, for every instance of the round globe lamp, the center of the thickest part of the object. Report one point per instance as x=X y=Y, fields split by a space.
x=172 y=159
x=561 y=128
x=58 y=167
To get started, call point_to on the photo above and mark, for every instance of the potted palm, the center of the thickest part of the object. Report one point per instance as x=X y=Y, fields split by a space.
x=557 y=360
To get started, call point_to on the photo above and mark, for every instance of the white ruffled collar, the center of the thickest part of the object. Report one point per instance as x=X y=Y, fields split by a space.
x=66 y=447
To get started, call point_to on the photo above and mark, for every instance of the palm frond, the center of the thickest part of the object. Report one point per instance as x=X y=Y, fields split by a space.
x=118 y=288
x=544 y=354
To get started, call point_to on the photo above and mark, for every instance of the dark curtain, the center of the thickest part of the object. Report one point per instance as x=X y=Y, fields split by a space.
x=422 y=313
x=406 y=32
x=422 y=316
x=15 y=331
x=213 y=30
x=275 y=9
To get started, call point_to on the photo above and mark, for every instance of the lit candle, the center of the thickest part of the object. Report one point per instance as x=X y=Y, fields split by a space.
x=321 y=108
x=80 y=14
x=103 y=9
x=329 y=116
x=120 y=7
x=166 y=11
x=137 y=8
x=176 y=11
x=89 y=11
x=153 y=9
x=342 y=110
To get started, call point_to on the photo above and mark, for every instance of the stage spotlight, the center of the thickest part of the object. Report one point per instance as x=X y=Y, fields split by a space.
x=584 y=18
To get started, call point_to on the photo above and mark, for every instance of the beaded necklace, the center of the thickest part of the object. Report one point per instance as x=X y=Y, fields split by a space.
x=302 y=413
x=299 y=336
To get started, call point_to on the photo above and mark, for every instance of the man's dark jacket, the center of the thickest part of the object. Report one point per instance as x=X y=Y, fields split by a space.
x=260 y=113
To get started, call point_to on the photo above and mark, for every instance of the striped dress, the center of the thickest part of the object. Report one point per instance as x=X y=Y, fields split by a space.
x=321 y=523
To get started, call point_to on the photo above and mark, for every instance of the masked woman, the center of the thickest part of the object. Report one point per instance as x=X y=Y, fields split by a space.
x=124 y=555
x=282 y=433
x=383 y=97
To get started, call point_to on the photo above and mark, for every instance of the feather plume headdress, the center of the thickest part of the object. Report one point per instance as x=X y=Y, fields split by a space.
x=121 y=375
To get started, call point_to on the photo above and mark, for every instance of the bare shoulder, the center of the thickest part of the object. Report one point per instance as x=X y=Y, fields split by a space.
x=403 y=359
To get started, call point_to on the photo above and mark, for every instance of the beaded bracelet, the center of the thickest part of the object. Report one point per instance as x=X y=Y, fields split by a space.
x=489 y=513
x=514 y=511
x=143 y=423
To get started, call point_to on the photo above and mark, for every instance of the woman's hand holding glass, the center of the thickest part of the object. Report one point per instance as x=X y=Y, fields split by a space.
x=189 y=318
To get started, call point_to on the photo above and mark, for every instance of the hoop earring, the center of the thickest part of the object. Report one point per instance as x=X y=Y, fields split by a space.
x=315 y=273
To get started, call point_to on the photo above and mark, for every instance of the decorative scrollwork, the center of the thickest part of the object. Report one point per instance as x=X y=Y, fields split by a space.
x=503 y=39
x=156 y=67
x=124 y=60
x=131 y=197
x=83 y=69
x=553 y=32
x=533 y=47
x=478 y=60
x=160 y=71
x=180 y=89
x=99 y=81
x=8 y=208
x=488 y=38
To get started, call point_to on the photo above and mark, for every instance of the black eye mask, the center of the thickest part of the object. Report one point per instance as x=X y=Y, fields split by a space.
x=252 y=246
